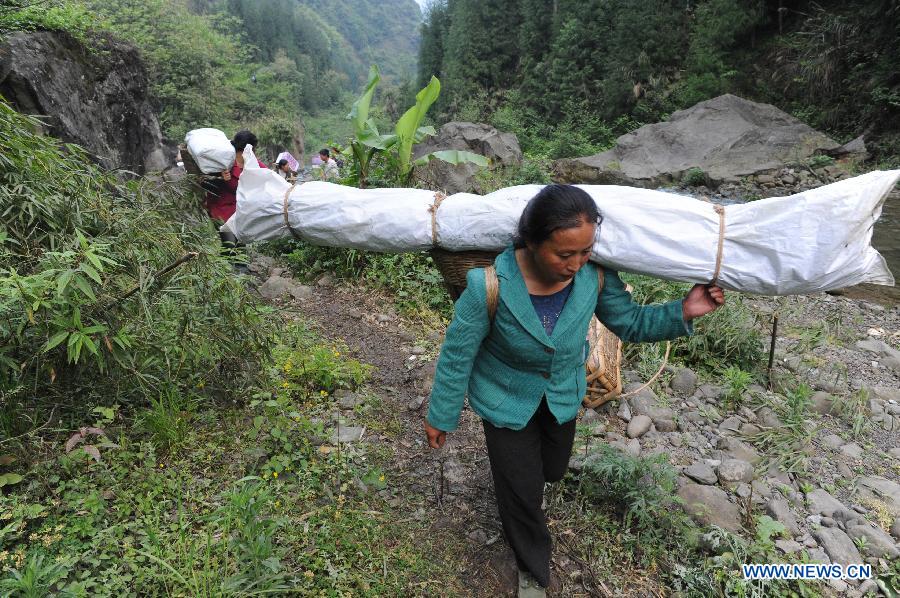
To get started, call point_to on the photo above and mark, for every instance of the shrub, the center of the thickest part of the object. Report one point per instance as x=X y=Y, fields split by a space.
x=694 y=177
x=727 y=337
x=85 y=306
x=533 y=170
x=640 y=489
x=17 y=15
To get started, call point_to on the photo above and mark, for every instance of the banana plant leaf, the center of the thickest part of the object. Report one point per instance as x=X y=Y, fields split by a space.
x=359 y=112
x=453 y=157
x=407 y=128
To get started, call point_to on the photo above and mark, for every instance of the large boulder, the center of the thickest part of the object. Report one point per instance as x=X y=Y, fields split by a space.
x=708 y=505
x=96 y=97
x=726 y=137
x=502 y=149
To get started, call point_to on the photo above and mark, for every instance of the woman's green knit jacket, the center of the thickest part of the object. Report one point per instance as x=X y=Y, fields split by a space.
x=508 y=365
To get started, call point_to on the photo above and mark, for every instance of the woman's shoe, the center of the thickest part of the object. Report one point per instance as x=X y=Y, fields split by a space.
x=529 y=587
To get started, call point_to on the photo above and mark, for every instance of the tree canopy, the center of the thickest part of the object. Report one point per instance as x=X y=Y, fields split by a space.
x=829 y=63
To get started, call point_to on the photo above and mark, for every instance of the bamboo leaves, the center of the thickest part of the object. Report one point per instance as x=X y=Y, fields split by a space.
x=73 y=239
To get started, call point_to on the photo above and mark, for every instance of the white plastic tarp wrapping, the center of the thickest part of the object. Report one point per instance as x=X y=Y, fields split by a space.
x=389 y=220
x=812 y=241
x=211 y=150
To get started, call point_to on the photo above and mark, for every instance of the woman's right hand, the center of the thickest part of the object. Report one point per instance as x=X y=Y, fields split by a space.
x=226 y=175
x=436 y=437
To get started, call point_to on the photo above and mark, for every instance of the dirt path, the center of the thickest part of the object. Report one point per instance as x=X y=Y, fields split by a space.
x=463 y=513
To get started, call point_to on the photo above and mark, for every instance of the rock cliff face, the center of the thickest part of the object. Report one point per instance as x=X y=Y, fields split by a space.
x=95 y=97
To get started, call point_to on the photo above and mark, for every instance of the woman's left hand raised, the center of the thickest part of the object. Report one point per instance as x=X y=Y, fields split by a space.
x=701 y=300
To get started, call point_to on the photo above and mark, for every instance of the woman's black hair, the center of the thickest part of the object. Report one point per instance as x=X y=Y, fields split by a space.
x=242 y=139
x=325 y=152
x=554 y=207
x=282 y=162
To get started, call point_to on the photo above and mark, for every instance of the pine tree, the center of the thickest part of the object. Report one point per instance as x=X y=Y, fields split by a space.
x=434 y=32
x=482 y=49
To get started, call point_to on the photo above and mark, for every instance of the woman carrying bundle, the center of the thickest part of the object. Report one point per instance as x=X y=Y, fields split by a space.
x=222 y=203
x=523 y=369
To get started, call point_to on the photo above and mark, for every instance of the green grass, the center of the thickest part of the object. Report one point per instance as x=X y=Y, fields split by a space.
x=213 y=499
x=728 y=337
x=787 y=446
x=854 y=410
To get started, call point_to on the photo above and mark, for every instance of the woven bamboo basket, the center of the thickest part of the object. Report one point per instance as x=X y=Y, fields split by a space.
x=454 y=265
x=604 y=380
x=203 y=185
x=190 y=166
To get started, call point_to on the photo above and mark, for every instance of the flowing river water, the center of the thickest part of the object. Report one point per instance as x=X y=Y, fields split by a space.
x=886 y=240
x=887 y=234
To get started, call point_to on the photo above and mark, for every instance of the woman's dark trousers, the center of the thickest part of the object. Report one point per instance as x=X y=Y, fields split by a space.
x=521 y=461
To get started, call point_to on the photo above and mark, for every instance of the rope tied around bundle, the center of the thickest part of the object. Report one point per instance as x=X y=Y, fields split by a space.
x=720 y=210
x=287 y=221
x=438 y=198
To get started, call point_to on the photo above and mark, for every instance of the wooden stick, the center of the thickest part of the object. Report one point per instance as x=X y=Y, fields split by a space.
x=183 y=259
x=772 y=350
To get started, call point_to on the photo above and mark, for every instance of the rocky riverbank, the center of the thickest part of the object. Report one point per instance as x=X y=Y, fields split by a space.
x=826 y=467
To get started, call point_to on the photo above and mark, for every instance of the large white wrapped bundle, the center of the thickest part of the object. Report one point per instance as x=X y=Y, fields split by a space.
x=813 y=241
x=211 y=150
x=390 y=220
x=468 y=221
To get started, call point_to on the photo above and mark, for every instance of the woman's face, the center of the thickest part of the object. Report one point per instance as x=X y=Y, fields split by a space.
x=561 y=256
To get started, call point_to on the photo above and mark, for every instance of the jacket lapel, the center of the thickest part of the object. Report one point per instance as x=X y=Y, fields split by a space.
x=514 y=295
x=582 y=293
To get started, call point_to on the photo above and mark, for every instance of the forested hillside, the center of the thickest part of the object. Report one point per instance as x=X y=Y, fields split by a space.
x=382 y=32
x=345 y=35
x=262 y=64
x=592 y=69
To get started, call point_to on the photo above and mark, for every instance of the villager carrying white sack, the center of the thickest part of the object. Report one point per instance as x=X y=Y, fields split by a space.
x=516 y=347
x=813 y=241
x=522 y=366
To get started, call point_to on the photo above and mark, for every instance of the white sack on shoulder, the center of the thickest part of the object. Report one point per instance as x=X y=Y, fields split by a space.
x=259 y=215
x=812 y=241
x=809 y=242
x=467 y=221
x=211 y=150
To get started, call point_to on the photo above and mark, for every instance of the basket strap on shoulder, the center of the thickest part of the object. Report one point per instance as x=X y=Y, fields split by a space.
x=492 y=290
x=600 y=279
